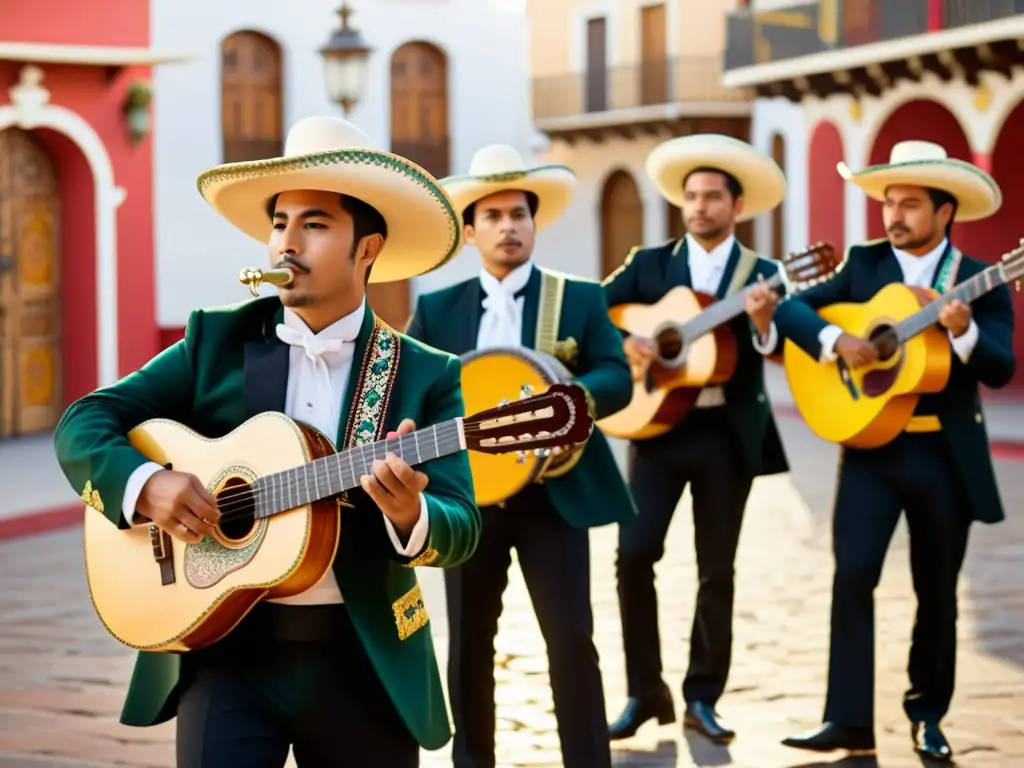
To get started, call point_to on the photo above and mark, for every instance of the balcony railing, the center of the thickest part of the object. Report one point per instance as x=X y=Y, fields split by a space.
x=687 y=78
x=432 y=153
x=809 y=28
x=243 y=150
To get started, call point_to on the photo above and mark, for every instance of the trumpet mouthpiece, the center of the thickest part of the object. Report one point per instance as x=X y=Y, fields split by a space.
x=252 y=277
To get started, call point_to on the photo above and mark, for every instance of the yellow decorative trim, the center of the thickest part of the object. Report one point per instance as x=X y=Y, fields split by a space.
x=982 y=97
x=549 y=313
x=410 y=613
x=591 y=403
x=426 y=557
x=926 y=423
x=567 y=350
x=856 y=111
x=92 y=497
x=625 y=265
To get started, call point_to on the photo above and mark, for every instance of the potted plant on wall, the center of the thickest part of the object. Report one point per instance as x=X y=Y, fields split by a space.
x=135 y=108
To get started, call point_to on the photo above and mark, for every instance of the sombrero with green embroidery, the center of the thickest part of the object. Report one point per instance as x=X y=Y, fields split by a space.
x=926 y=164
x=499 y=168
x=333 y=155
x=763 y=182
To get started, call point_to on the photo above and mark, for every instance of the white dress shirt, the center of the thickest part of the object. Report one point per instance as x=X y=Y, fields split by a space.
x=319 y=366
x=706 y=273
x=918 y=271
x=502 y=321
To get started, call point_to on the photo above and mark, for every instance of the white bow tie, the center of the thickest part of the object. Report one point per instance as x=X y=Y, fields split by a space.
x=314 y=346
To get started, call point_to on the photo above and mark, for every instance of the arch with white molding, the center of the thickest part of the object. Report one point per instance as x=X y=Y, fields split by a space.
x=30 y=108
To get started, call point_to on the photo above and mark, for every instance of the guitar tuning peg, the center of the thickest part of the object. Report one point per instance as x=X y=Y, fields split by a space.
x=525 y=391
x=502 y=403
x=520 y=457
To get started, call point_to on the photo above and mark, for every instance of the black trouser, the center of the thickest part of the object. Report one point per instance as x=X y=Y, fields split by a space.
x=290 y=675
x=555 y=560
x=915 y=473
x=704 y=452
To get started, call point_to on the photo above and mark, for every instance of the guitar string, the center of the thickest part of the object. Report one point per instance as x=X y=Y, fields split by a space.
x=240 y=503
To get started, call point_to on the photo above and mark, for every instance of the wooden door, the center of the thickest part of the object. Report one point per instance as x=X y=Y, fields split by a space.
x=654 y=67
x=596 y=94
x=419 y=132
x=31 y=375
x=778 y=217
x=251 y=114
x=622 y=220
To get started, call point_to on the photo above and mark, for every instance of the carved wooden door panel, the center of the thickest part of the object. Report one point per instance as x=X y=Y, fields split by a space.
x=31 y=374
x=622 y=221
x=252 y=122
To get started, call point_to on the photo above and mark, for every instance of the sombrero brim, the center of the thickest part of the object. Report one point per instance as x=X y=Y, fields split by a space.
x=552 y=184
x=424 y=228
x=977 y=194
x=764 y=183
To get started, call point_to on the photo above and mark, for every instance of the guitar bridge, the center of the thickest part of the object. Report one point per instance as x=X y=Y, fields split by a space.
x=163 y=553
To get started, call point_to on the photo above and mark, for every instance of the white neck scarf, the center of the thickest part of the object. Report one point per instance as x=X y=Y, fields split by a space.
x=502 y=321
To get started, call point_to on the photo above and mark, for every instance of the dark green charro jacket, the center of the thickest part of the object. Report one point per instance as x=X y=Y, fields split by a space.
x=231 y=366
x=593 y=493
x=866 y=270
x=648 y=274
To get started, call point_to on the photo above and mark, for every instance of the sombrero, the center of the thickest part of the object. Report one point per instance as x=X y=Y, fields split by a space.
x=498 y=167
x=333 y=155
x=926 y=164
x=669 y=163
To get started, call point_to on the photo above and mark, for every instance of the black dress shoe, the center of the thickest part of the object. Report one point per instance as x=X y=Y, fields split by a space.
x=701 y=717
x=639 y=710
x=929 y=741
x=829 y=737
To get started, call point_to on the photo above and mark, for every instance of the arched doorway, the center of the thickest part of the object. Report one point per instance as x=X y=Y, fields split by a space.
x=252 y=122
x=31 y=397
x=622 y=220
x=1002 y=232
x=419 y=132
x=826 y=188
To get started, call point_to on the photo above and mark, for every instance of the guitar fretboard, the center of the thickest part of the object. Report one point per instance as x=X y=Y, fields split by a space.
x=968 y=291
x=722 y=311
x=339 y=472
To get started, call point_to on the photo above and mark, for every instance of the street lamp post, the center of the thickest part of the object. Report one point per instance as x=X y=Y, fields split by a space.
x=346 y=59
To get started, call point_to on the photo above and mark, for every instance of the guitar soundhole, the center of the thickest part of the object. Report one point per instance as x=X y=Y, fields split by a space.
x=885 y=341
x=237 y=509
x=670 y=344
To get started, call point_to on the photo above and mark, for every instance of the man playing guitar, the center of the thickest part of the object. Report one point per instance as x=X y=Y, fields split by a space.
x=343 y=672
x=727 y=440
x=939 y=471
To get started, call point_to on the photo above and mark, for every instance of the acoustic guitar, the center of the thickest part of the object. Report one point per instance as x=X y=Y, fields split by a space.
x=867 y=407
x=504 y=373
x=279 y=486
x=693 y=345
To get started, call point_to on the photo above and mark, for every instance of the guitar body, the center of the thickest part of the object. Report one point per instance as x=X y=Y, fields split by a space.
x=887 y=391
x=663 y=396
x=490 y=376
x=216 y=582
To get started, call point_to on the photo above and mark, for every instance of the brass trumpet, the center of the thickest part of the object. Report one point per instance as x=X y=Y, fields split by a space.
x=252 y=277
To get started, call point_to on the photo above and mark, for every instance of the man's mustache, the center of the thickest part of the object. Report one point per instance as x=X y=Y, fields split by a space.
x=511 y=241
x=898 y=228
x=289 y=259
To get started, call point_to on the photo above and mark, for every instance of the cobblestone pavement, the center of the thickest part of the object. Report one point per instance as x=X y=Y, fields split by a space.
x=62 y=679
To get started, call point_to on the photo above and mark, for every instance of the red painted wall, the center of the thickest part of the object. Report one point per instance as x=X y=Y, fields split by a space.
x=826 y=187
x=989 y=238
x=96 y=98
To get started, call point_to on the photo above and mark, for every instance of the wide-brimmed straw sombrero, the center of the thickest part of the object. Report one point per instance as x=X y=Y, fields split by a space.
x=331 y=154
x=926 y=164
x=669 y=163
x=498 y=168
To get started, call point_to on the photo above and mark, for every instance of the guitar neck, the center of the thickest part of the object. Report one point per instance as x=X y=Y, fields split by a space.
x=339 y=472
x=967 y=292
x=723 y=311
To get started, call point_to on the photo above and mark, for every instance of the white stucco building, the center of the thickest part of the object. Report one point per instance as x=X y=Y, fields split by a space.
x=446 y=77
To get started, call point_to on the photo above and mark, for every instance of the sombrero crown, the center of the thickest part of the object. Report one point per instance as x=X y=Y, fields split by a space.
x=763 y=182
x=332 y=155
x=926 y=164
x=499 y=168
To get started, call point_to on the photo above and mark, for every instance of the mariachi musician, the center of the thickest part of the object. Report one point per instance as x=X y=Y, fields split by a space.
x=721 y=445
x=939 y=471
x=503 y=205
x=344 y=672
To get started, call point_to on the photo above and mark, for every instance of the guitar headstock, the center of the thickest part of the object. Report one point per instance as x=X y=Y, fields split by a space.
x=813 y=264
x=555 y=418
x=1012 y=265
